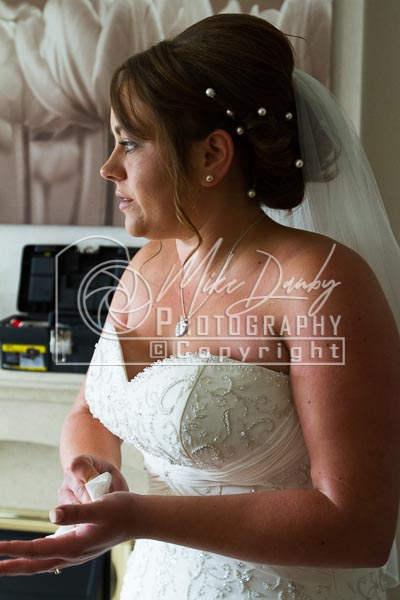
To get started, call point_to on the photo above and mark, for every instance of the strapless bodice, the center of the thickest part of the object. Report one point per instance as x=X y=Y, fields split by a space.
x=203 y=423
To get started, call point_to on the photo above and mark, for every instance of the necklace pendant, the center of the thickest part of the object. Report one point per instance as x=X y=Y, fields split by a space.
x=182 y=327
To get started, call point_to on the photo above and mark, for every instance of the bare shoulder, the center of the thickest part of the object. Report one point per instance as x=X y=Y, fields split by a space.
x=308 y=247
x=329 y=280
x=304 y=249
x=310 y=264
x=321 y=261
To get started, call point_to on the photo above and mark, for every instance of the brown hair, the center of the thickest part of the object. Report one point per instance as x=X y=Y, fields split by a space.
x=249 y=64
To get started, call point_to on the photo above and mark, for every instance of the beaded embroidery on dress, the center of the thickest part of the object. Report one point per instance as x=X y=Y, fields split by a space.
x=211 y=426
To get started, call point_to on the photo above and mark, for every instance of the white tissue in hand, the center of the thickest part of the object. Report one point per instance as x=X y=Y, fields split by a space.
x=99 y=486
x=96 y=488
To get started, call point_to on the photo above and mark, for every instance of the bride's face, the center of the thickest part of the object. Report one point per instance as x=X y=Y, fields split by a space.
x=143 y=187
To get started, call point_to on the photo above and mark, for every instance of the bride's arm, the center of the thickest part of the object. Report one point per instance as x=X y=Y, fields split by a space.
x=86 y=446
x=83 y=434
x=87 y=449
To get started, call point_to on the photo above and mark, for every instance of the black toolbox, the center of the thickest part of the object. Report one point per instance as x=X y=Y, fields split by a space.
x=63 y=299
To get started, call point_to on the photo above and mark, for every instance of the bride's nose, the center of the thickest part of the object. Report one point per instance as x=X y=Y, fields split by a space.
x=112 y=169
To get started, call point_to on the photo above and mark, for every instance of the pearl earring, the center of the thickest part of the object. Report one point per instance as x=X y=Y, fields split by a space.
x=209 y=178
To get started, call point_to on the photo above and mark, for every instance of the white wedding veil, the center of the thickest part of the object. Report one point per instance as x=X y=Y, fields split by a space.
x=342 y=199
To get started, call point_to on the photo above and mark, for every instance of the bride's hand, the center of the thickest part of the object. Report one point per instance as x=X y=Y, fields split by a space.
x=82 y=469
x=103 y=524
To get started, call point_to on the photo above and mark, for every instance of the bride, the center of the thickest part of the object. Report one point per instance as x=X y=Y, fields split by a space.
x=251 y=349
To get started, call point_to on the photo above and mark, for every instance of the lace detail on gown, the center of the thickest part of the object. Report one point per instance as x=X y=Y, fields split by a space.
x=206 y=426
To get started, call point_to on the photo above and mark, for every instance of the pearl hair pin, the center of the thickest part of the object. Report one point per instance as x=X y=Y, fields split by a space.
x=240 y=130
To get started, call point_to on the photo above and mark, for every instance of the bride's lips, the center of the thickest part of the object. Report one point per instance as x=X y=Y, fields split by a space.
x=125 y=201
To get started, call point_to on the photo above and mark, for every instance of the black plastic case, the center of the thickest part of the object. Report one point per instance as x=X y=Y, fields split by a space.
x=51 y=332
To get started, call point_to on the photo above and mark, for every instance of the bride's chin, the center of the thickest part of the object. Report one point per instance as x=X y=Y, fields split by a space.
x=134 y=227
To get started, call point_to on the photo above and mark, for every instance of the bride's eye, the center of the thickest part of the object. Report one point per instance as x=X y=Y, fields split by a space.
x=128 y=145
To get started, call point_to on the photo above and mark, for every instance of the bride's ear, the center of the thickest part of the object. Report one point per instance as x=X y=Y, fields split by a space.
x=212 y=157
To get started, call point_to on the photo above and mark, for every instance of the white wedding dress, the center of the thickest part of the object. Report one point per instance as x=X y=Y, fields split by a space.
x=207 y=426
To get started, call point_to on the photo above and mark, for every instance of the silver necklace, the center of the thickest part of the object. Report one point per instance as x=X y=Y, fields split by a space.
x=182 y=326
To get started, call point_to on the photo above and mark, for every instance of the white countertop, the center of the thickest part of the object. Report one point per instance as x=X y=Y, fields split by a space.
x=31 y=385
